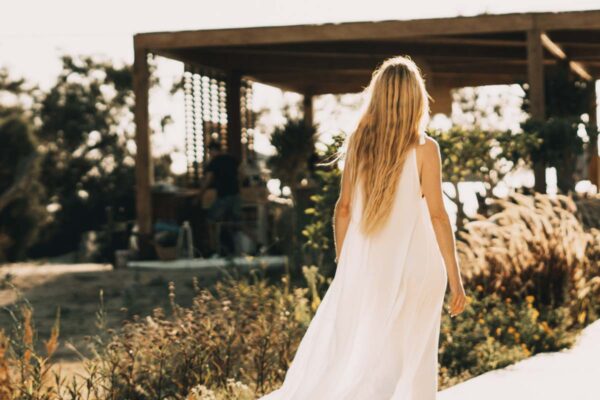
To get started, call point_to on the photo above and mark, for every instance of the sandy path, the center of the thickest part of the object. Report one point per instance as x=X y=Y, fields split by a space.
x=568 y=374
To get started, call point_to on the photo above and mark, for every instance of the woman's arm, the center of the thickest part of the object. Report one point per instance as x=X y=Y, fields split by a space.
x=341 y=213
x=431 y=186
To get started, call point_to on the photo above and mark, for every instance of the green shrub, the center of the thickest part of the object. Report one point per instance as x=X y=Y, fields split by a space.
x=494 y=332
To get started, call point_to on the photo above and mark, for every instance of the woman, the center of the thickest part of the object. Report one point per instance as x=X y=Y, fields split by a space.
x=375 y=334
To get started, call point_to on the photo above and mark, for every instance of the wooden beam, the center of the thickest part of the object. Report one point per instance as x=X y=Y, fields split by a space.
x=573 y=20
x=458 y=79
x=577 y=37
x=594 y=157
x=535 y=74
x=335 y=31
x=323 y=75
x=251 y=64
x=307 y=103
x=354 y=84
x=144 y=172
x=234 y=123
x=535 y=78
x=369 y=49
x=514 y=38
x=556 y=50
x=442 y=100
x=482 y=43
x=347 y=75
x=274 y=62
x=581 y=53
x=480 y=24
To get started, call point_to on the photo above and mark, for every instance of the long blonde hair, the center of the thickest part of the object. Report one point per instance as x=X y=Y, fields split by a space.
x=396 y=112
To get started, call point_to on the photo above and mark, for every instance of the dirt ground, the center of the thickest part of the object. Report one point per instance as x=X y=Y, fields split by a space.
x=75 y=289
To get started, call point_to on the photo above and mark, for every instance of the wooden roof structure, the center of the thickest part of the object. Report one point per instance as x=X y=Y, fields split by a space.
x=340 y=57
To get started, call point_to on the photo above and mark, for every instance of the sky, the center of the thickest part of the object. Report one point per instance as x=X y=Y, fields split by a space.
x=34 y=34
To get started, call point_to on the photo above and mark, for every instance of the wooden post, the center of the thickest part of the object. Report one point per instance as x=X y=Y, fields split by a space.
x=594 y=163
x=535 y=77
x=442 y=100
x=234 y=124
x=307 y=103
x=144 y=173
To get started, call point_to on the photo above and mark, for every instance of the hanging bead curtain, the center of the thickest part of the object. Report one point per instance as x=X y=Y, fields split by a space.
x=247 y=120
x=205 y=97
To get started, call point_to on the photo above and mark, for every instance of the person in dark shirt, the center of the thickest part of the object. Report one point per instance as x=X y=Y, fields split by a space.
x=222 y=173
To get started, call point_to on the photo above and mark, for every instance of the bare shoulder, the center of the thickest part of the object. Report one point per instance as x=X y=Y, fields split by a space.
x=430 y=147
x=428 y=152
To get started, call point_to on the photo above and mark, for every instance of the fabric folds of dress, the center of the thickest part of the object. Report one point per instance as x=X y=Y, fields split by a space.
x=375 y=334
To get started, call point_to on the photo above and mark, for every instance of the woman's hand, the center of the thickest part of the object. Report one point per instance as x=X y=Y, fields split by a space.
x=458 y=300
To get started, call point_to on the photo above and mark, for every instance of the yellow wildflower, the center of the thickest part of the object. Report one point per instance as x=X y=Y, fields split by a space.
x=545 y=327
x=525 y=349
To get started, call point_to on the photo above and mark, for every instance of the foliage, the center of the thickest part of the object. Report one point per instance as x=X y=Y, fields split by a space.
x=558 y=138
x=482 y=155
x=26 y=373
x=86 y=135
x=243 y=331
x=294 y=147
x=560 y=146
x=292 y=164
x=494 y=332
x=318 y=232
x=83 y=133
x=467 y=154
x=565 y=93
x=247 y=337
x=16 y=94
x=588 y=210
x=237 y=340
x=567 y=98
x=21 y=212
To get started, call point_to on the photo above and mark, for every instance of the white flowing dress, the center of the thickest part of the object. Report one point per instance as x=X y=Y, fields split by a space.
x=375 y=334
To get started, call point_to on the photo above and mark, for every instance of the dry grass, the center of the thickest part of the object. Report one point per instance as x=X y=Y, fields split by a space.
x=534 y=245
x=24 y=372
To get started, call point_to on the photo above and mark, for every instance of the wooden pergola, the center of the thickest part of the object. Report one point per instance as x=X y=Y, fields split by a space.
x=339 y=58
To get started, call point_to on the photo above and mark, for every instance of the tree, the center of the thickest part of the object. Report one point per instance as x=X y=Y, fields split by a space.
x=319 y=245
x=21 y=211
x=560 y=147
x=87 y=136
x=292 y=162
x=481 y=155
